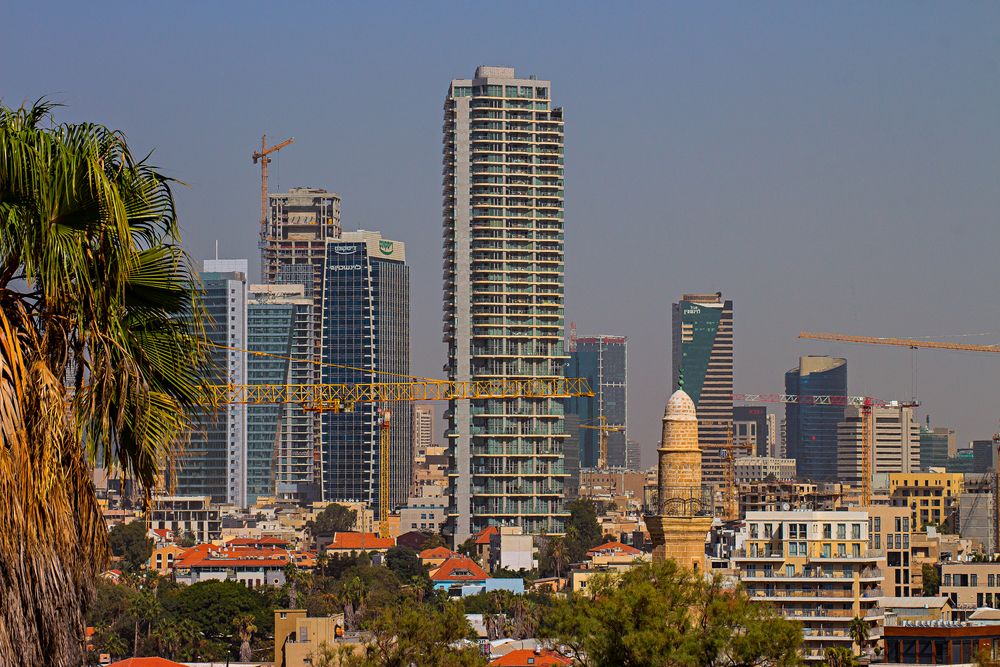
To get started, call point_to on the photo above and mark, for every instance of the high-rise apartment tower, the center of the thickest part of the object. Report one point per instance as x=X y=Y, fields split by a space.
x=703 y=359
x=503 y=298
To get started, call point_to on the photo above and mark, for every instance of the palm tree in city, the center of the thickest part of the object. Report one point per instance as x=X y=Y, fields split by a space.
x=246 y=627
x=101 y=350
x=859 y=631
x=559 y=555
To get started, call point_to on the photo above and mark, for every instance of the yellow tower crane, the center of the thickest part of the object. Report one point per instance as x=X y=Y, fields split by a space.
x=603 y=429
x=262 y=157
x=867 y=428
x=344 y=397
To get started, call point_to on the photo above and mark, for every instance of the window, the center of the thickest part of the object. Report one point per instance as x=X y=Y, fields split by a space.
x=789 y=570
x=826 y=551
x=878 y=524
x=827 y=531
x=754 y=531
x=878 y=541
x=974 y=580
x=989 y=578
x=856 y=550
x=768 y=530
x=841 y=550
x=856 y=531
x=841 y=531
x=947 y=580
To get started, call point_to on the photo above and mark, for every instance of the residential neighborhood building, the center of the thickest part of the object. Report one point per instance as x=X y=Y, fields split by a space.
x=183 y=515
x=512 y=550
x=971 y=584
x=931 y=496
x=759 y=468
x=815 y=567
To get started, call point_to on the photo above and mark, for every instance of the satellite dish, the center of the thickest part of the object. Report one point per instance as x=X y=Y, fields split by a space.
x=785 y=507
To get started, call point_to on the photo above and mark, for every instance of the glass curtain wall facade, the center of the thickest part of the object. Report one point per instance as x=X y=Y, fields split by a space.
x=503 y=299
x=603 y=361
x=366 y=300
x=214 y=460
x=811 y=430
x=281 y=438
x=703 y=357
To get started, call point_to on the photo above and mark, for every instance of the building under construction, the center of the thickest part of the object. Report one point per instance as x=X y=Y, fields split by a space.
x=293 y=252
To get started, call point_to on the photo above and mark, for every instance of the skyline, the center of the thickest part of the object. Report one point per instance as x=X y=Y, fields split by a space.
x=786 y=128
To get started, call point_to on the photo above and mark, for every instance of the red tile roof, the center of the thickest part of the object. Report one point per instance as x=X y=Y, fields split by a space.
x=146 y=662
x=437 y=552
x=612 y=548
x=360 y=542
x=255 y=541
x=459 y=568
x=208 y=555
x=525 y=657
x=483 y=536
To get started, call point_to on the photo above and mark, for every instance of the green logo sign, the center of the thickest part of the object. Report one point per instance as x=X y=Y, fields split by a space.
x=385 y=247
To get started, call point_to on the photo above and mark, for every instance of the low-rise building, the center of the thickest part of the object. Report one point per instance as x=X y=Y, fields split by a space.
x=352 y=544
x=297 y=636
x=183 y=515
x=759 y=468
x=435 y=556
x=424 y=513
x=913 y=609
x=511 y=549
x=941 y=642
x=251 y=567
x=162 y=559
x=615 y=553
x=815 y=567
x=456 y=572
x=971 y=584
x=537 y=657
x=931 y=496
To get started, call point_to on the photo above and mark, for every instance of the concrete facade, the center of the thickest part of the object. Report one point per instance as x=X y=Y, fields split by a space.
x=503 y=299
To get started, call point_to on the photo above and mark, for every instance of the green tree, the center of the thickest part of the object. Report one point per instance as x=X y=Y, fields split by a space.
x=859 y=631
x=582 y=529
x=246 y=626
x=661 y=614
x=296 y=578
x=129 y=542
x=839 y=656
x=931 y=579
x=333 y=519
x=212 y=605
x=100 y=356
x=422 y=635
x=405 y=564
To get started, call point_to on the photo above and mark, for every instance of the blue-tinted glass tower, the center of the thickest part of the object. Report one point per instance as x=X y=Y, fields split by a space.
x=602 y=360
x=366 y=325
x=812 y=429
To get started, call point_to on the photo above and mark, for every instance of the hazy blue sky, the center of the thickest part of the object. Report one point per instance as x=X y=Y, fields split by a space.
x=827 y=166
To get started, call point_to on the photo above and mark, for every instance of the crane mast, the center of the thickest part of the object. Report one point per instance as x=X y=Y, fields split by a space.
x=262 y=157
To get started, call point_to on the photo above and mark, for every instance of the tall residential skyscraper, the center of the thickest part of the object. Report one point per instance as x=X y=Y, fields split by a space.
x=280 y=438
x=293 y=252
x=811 y=430
x=503 y=298
x=603 y=361
x=366 y=325
x=214 y=460
x=703 y=357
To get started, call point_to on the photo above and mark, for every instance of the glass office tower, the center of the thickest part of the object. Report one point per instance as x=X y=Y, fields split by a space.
x=366 y=326
x=603 y=361
x=811 y=430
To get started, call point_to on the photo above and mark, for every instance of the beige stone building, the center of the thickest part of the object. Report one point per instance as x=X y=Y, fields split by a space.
x=298 y=638
x=679 y=527
x=931 y=496
x=971 y=585
x=815 y=568
x=895 y=442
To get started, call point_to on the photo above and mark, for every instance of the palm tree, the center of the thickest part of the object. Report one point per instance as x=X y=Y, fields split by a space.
x=559 y=554
x=100 y=346
x=859 y=631
x=246 y=627
x=838 y=656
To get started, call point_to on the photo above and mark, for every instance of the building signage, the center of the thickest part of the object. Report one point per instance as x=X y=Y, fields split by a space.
x=385 y=247
x=345 y=249
x=346 y=267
